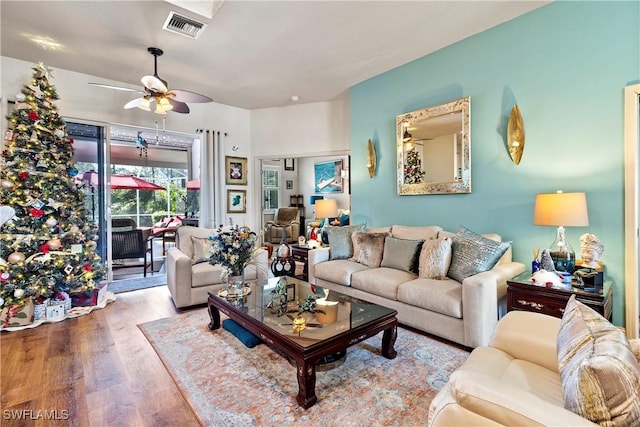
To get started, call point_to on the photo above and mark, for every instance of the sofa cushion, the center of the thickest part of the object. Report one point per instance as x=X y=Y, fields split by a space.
x=368 y=248
x=401 y=254
x=599 y=372
x=338 y=271
x=409 y=232
x=340 y=240
x=205 y=274
x=380 y=281
x=435 y=258
x=440 y=296
x=472 y=253
x=201 y=247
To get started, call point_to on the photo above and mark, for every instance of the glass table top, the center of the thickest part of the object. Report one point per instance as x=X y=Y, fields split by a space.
x=339 y=313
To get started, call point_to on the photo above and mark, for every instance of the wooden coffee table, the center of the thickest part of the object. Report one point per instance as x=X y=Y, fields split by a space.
x=356 y=321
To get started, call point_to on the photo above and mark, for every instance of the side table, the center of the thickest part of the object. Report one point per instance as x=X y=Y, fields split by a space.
x=523 y=295
x=301 y=254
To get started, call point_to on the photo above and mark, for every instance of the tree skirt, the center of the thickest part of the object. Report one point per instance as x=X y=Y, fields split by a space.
x=228 y=384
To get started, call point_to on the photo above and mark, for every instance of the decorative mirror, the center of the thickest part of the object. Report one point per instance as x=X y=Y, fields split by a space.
x=434 y=149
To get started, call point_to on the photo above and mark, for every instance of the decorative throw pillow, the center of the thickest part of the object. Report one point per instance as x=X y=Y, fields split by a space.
x=368 y=247
x=245 y=337
x=340 y=240
x=472 y=253
x=598 y=370
x=435 y=258
x=201 y=247
x=401 y=254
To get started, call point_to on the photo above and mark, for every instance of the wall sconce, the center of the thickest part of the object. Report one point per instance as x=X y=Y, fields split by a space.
x=515 y=135
x=371 y=160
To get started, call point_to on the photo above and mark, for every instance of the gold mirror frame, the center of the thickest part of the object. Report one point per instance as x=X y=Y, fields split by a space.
x=450 y=122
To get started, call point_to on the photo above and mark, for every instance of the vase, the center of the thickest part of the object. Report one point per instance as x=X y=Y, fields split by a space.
x=236 y=284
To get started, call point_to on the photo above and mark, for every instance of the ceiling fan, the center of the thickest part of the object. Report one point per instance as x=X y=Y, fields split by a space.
x=156 y=92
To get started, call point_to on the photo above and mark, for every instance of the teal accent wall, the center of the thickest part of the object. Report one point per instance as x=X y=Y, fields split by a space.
x=565 y=65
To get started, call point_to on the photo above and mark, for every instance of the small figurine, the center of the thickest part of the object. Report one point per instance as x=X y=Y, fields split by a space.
x=590 y=250
x=546 y=262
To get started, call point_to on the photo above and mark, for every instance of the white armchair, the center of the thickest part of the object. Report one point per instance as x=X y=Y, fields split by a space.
x=190 y=277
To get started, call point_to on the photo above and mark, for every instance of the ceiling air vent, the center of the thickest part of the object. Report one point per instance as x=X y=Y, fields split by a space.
x=182 y=25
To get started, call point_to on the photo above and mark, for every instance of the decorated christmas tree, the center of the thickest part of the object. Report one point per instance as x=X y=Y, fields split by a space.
x=413 y=173
x=47 y=243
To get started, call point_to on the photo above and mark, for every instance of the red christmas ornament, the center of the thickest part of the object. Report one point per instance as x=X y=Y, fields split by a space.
x=44 y=248
x=86 y=267
x=23 y=176
x=33 y=116
x=36 y=213
x=4 y=277
x=70 y=140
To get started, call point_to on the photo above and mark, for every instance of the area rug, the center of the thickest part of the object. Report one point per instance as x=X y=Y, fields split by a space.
x=228 y=384
x=127 y=285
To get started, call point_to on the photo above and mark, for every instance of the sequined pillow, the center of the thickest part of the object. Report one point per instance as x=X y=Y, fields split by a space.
x=598 y=370
x=472 y=253
x=201 y=247
x=340 y=240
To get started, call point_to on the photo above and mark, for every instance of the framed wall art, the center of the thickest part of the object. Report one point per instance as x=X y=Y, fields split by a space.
x=289 y=164
x=328 y=177
x=236 y=201
x=235 y=170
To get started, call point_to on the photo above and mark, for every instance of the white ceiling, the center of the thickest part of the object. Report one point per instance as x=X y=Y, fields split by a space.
x=253 y=54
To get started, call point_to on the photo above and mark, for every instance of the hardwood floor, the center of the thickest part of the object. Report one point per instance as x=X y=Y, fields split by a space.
x=94 y=370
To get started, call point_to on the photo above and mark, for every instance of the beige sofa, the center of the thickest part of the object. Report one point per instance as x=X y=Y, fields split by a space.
x=464 y=312
x=190 y=276
x=544 y=371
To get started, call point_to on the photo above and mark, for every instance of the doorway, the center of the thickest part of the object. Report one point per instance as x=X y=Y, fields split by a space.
x=632 y=208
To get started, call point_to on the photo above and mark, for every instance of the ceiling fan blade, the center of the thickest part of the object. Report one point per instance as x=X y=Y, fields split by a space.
x=154 y=83
x=188 y=96
x=142 y=103
x=108 y=86
x=179 y=107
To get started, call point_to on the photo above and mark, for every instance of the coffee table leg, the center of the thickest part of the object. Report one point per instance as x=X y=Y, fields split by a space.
x=388 y=340
x=214 y=315
x=306 y=383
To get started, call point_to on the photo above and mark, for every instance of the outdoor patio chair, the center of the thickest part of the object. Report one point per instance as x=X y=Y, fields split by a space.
x=129 y=242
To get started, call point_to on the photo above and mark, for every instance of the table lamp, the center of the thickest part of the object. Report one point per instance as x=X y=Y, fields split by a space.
x=561 y=210
x=326 y=208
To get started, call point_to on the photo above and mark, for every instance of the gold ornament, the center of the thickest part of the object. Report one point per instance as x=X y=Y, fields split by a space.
x=54 y=244
x=16 y=258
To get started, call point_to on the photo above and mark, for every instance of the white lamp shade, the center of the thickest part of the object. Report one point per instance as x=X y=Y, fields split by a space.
x=326 y=208
x=561 y=209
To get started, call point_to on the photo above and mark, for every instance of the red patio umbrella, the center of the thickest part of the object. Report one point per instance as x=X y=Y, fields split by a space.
x=122 y=182
x=194 y=184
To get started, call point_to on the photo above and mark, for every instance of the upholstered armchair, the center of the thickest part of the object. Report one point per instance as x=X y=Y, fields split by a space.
x=190 y=276
x=286 y=220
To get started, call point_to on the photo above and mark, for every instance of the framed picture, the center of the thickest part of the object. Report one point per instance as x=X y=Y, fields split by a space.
x=289 y=164
x=328 y=177
x=236 y=201
x=236 y=170
x=289 y=184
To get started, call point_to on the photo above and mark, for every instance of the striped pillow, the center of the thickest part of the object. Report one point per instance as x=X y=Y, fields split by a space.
x=599 y=373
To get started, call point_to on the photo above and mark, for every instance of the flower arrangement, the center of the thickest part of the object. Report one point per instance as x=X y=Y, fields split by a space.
x=233 y=249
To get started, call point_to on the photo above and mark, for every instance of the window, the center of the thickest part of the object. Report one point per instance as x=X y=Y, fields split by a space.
x=270 y=187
